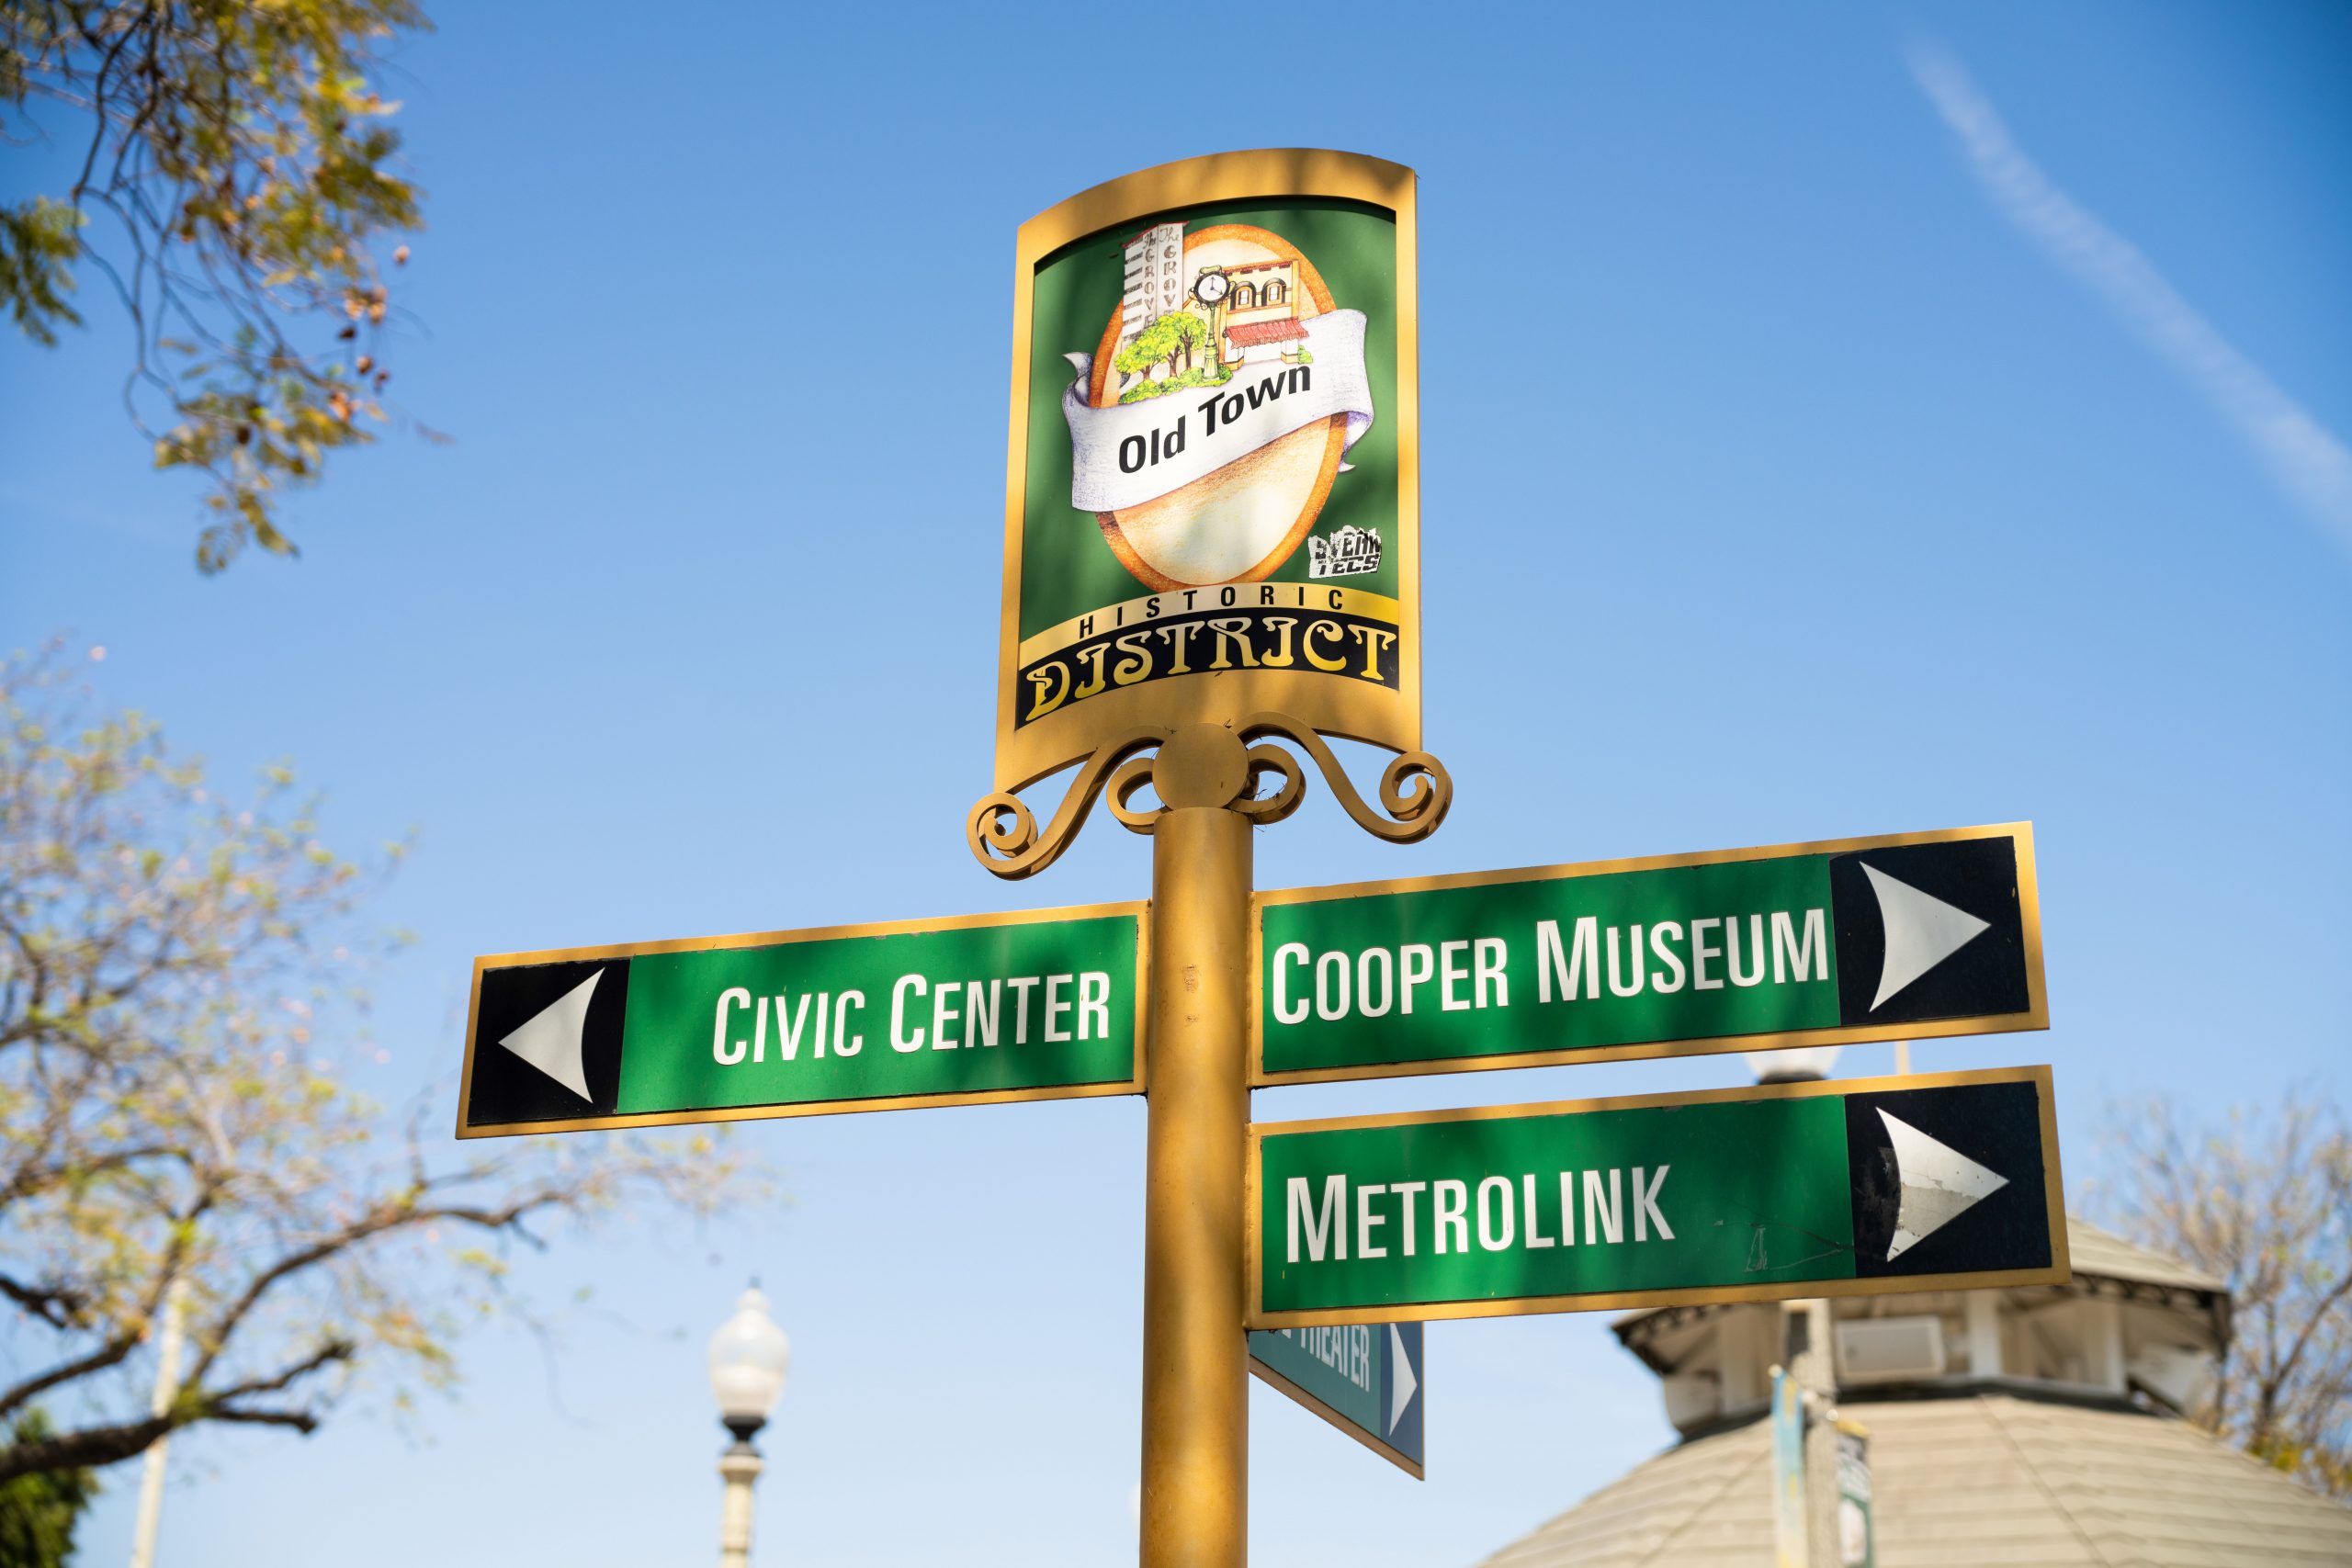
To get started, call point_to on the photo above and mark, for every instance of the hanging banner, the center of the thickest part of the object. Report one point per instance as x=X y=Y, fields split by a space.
x=1212 y=498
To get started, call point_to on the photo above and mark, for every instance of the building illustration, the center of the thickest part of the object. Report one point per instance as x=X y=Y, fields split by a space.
x=1155 y=280
x=1232 y=312
x=1257 y=319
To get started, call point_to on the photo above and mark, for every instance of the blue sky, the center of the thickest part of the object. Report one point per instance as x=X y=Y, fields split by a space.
x=1782 y=480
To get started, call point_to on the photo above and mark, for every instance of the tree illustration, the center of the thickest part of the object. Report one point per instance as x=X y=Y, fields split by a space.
x=1151 y=345
x=1188 y=332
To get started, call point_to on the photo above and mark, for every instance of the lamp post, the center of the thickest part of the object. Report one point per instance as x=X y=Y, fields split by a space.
x=747 y=1358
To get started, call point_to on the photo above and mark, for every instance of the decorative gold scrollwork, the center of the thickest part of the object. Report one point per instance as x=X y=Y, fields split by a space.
x=1003 y=830
x=1134 y=775
x=1415 y=789
x=1207 y=765
x=1263 y=808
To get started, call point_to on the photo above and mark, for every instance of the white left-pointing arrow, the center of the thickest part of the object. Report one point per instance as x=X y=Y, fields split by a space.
x=551 y=1041
x=1940 y=1184
x=1400 y=1396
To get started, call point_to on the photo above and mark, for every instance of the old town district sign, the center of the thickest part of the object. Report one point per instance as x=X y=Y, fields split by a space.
x=1211 y=500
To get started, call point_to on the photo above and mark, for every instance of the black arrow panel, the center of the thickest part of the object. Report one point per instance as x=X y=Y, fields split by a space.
x=507 y=1088
x=1983 y=978
x=1999 y=1125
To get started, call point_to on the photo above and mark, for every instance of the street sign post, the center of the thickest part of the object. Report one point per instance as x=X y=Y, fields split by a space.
x=1903 y=937
x=1364 y=1378
x=1211 y=539
x=962 y=1011
x=1941 y=1182
x=1212 y=563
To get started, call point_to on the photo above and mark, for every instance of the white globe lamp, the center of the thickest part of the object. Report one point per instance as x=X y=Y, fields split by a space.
x=749 y=1356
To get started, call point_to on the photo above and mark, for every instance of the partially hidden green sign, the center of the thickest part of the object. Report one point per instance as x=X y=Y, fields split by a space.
x=1740 y=949
x=1933 y=1182
x=1364 y=1378
x=857 y=1017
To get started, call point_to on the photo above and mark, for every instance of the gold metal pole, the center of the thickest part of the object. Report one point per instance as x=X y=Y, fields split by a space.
x=1195 y=1373
x=1195 y=1360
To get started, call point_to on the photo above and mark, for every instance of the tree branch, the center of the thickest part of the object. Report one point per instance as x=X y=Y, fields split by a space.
x=2284 y=1373
x=111 y=1444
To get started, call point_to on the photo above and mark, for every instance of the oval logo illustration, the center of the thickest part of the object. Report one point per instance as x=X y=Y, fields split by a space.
x=1207 y=426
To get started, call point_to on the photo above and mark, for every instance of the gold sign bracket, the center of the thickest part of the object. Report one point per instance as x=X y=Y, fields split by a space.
x=1207 y=765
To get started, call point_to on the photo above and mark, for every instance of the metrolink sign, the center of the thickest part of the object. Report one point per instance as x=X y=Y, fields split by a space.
x=1941 y=1182
x=1898 y=937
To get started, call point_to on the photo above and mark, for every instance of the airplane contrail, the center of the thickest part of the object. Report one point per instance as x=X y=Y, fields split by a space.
x=2302 y=456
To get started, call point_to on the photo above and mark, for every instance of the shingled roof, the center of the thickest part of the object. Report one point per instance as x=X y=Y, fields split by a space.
x=2109 y=1257
x=1988 y=1478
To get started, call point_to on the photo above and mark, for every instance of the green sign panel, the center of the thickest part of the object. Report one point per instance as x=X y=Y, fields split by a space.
x=1804 y=944
x=857 y=1017
x=1364 y=1378
x=1934 y=1182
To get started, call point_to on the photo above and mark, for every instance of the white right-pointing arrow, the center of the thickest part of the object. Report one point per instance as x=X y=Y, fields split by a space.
x=1402 y=1394
x=1922 y=931
x=1940 y=1184
x=551 y=1041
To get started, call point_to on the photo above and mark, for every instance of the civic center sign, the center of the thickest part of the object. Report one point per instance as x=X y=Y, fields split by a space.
x=962 y=1012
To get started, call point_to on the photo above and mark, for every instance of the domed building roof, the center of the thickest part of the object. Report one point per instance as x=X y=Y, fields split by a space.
x=2036 y=1426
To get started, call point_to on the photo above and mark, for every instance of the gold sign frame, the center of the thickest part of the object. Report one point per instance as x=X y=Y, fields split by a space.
x=1390 y=718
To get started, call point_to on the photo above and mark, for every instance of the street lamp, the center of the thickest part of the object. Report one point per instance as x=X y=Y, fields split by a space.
x=748 y=1357
x=1804 y=1065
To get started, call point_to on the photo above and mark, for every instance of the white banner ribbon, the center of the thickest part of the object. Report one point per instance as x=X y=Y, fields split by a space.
x=1132 y=453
